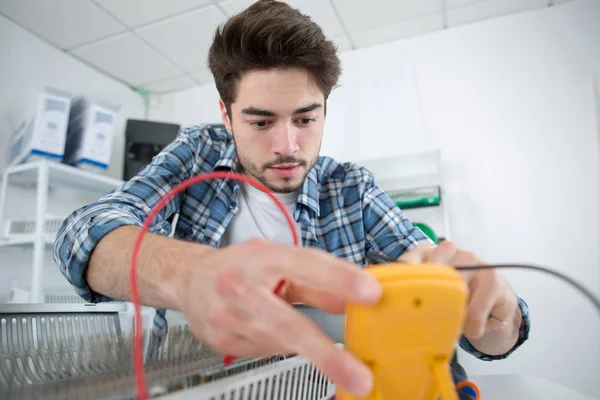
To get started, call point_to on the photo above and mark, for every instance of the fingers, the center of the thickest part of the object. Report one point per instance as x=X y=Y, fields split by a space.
x=252 y=320
x=417 y=255
x=270 y=323
x=325 y=301
x=225 y=341
x=298 y=334
x=227 y=332
x=447 y=253
x=483 y=292
x=326 y=274
x=491 y=303
x=484 y=295
x=485 y=286
x=315 y=269
x=267 y=325
x=492 y=307
x=235 y=282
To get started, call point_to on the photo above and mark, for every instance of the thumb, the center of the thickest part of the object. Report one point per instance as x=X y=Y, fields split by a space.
x=327 y=302
x=416 y=255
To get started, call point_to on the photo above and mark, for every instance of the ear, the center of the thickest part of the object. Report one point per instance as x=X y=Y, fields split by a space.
x=225 y=116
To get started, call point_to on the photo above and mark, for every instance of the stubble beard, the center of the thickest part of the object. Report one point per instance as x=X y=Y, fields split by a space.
x=247 y=167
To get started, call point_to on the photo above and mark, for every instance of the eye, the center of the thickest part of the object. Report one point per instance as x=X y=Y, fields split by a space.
x=306 y=121
x=259 y=124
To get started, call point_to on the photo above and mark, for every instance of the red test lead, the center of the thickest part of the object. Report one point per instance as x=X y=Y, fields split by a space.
x=138 y=362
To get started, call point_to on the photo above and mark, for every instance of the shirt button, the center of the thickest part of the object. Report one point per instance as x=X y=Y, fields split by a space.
x=231 y=205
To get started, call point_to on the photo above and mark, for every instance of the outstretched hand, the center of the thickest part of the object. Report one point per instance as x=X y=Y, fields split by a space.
x=492 y=317
x=228 y=298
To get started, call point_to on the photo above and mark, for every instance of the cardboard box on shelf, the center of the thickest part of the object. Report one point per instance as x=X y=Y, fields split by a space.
x=39 y=126
x=90 y=134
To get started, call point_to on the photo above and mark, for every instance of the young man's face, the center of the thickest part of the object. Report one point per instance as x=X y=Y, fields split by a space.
x=277 y=123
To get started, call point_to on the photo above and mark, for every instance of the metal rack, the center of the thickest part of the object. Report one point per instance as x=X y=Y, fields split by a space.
x=79 y=351
x=290 y=379
x=43 y=175
x=414 y=172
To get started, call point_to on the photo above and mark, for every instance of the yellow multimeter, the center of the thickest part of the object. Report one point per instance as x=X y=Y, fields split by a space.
x=409 y=336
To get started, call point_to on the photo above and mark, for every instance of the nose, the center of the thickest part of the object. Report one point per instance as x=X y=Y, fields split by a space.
x=285 y=142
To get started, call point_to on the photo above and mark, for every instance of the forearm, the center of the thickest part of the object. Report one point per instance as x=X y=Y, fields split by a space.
x=160 y=267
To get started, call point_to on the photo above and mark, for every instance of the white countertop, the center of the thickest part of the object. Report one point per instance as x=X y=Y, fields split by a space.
x=524 y=387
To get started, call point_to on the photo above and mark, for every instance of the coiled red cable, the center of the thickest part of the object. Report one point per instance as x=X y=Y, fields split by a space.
x=138 y=361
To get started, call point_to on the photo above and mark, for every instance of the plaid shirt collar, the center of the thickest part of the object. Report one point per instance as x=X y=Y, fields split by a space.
x=309 y=194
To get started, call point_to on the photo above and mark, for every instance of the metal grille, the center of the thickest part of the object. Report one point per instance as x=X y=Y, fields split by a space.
x=37 y=347
x=70 y=298
x=18 y=227
x=60 y=351
x=290 y=379
x=63 y=298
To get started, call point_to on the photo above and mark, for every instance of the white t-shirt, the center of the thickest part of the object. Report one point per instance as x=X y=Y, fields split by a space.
x=259 y=217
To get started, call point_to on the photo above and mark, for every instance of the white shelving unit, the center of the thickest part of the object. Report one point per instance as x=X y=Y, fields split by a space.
x=45 y=174
x=411 y=172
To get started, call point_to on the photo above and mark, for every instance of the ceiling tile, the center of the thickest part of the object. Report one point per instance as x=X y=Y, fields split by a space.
x=359 y=14
x=203 y=76
x=463 y=3
x=322 y=13
x=232 y=7
x=127 y=58
x=134 y=13
x=65 y=23
x=484 y=10
x=343 y=43
x=398 y=30
x=170 y=85
x=185 y=39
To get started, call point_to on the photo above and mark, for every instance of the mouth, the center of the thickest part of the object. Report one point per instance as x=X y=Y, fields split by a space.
x=285 y=170
x=285 y=166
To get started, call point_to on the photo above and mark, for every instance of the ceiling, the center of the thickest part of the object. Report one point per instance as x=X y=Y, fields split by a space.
x=161 y=46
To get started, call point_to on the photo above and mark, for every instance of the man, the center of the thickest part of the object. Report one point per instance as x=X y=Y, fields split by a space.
x=274 y=71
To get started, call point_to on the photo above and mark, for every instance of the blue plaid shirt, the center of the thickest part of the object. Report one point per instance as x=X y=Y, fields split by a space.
x=339 y=209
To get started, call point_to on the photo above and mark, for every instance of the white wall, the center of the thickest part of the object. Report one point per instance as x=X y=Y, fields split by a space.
x=189 y=107
x=26 y=62
x=510 y=104
x=511 y=107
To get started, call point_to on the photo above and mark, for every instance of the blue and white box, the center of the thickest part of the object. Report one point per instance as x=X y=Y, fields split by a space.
x=39 y=127
x=90 y=134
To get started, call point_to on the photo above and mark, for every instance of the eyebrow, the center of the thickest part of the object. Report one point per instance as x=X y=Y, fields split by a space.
x=308 y=108
x=251 y=110
x=257 y=111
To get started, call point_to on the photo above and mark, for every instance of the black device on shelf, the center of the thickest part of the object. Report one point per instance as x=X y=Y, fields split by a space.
x=143 y=140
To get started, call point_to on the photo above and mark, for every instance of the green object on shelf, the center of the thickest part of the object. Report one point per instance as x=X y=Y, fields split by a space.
x=427 y=231
x=418 y=203
x=414 y=198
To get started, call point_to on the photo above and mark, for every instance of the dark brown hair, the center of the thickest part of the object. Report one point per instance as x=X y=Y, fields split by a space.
x=271 y=34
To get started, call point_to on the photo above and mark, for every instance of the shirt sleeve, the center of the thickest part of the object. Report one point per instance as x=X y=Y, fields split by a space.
x=523 y=336
x=128 y=204
x=388 y=232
